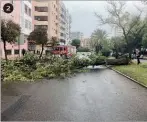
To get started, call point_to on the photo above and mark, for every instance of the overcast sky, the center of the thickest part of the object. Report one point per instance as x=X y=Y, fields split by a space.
x=83 y=18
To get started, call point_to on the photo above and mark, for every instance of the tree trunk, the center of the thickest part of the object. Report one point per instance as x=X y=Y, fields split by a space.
x=129 y=51
x=41 y=51
x=97 y=49
x=116 y=55
x=5 y=50
x=130 y=57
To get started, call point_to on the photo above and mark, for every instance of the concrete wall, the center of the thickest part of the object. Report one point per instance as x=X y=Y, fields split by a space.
x=13 y=47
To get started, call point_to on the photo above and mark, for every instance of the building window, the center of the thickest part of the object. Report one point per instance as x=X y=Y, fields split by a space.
x=9 y=52
x=12 y=1
x=26 y=9
x=29 y=12
x=26 y=23
x=41 y=18
x=62 y=9
x=41 y=9
x=31 y=47
x=30 y=25
x=41 y=26
x=16 y=51
x=56 y=32
x=29 y=1
x=62 y=28
x=61 y=34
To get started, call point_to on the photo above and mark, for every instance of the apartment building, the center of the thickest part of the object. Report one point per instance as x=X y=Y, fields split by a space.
x=118 y=32
x=46 y=15
x=68 y=28
x=85 y=42
x=26 y=19
x=65 y=24
x=76 y=35
x=62 y=24
x=22 y=16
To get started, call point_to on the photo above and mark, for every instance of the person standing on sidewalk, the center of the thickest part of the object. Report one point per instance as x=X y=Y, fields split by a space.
x=23 y=52
x=138 y=56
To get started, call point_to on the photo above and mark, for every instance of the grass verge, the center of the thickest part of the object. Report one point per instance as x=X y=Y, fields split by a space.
x=137 y=72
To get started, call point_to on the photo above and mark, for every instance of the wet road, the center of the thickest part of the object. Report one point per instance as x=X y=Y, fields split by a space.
x=141 y=60
x=102 y=95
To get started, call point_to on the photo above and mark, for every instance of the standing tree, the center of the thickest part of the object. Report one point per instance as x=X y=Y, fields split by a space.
x=106 y=48
x=97 y=39
x=54 y=42
x=39 y=35
x=121 y=19
x=144 y=41
x=76 y=42
x=118 y=46
x=10 y=31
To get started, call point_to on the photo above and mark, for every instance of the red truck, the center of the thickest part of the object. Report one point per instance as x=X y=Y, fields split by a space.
x=64 y=50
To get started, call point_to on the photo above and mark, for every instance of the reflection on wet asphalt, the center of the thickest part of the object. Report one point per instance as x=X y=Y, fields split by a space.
x=97 y=95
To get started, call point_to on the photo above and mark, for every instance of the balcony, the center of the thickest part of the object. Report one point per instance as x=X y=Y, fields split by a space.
x=41 y=26
x=36 y=13
x=41 y=22
x=41 y=9
x=41 y=18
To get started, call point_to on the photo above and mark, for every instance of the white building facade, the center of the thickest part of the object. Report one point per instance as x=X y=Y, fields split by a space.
x=76 y=35
x=65 y=24
x=26 y=19
x=68 y=28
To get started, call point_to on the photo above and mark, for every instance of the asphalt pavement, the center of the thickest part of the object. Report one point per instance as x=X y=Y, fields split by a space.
x=141 y=60
x=99 y=95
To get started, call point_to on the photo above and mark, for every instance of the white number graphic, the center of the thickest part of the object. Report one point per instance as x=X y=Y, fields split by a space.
x=8 y=8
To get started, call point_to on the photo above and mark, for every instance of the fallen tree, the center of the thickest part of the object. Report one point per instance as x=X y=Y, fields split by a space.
x=121 y=61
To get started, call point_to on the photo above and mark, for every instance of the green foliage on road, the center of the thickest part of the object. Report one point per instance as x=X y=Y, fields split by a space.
x=31 y=68
x=137 y=72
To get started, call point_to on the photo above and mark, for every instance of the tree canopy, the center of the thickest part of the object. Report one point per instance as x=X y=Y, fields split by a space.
x=129 y=24
x=10 y=32
x=39 y=35
x=144 y=41
x=76 y=42
x=98 y=38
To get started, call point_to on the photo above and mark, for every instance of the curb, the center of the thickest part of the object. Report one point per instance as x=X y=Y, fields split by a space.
x=127 y=77
x=6 y=114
